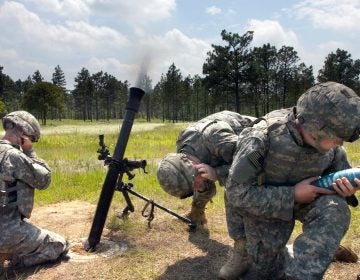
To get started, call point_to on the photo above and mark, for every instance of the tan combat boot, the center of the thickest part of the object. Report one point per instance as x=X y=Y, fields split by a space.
x=197 y=215
x=3 y=258
x=238 y=262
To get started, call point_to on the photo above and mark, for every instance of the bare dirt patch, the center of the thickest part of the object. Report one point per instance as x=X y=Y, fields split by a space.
x=166 y=251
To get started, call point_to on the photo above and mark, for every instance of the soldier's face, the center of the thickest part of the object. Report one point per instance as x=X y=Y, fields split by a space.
x=320 y=140
x=329 y=143
x=323 y=142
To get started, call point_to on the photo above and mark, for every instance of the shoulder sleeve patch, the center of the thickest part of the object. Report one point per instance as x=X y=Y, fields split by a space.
x=257 y=159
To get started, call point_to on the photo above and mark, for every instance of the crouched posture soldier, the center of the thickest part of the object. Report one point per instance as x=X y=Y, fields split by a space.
x=20 y=173
x=270 y=186
x=204 y=154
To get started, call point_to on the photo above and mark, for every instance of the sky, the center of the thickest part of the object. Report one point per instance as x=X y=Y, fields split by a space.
x=125 y=38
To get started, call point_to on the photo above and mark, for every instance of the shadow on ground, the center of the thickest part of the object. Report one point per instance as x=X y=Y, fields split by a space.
x=201 y=267
x=23 y=273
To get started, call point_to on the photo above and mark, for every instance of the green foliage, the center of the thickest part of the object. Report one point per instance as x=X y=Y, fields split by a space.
x=99 y=96
x=226 y=66
x=78 y=174
x=37 y=77
x=42 y=97
x=261 y=77
x=340 y=67
x=58 y=78
x=2 y=109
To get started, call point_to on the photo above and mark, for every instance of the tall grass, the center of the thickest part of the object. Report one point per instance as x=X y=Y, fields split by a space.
x=77 y=172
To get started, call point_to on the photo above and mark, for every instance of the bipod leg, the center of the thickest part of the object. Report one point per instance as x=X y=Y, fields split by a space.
x=192 y=225
x=123 y=188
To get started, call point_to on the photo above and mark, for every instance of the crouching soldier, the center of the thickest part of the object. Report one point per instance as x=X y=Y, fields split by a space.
x=21 y=172
x=204 y=155
x=270 y=185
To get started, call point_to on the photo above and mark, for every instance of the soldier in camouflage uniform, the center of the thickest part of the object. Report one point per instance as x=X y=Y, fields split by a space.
x=22 y=172
x=204 y=154
x=269 y=185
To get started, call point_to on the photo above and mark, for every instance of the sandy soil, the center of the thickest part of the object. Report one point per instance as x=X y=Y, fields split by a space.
x=180 y=255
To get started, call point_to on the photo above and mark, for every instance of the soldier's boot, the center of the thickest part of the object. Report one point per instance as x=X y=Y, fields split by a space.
x=3 y=258
x=64 y=255
x=16 y=262
x=238 y=262
x=197 y=215
x=345 y=254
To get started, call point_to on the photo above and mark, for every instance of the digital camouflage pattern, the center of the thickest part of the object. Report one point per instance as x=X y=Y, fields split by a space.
x=176 y=174
x=20 y=174
x=26 y=121
x=338 y=116
x=212 y=140
x=270 y=159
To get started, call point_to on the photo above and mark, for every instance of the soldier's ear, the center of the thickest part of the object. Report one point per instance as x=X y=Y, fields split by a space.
x=20 y=131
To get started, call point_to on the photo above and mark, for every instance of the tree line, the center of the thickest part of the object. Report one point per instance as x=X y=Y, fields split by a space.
x=235 y=76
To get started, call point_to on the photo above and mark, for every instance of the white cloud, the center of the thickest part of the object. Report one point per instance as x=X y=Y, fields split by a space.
x=322 y=50
x=28 y=28
x=270 y=31
x=8 y=54
x=188 y=54
x=19 y=68
x=136 y=12
x=330 y=14
x=71 y=9
x=112 y=66
x=213 y=10
x=38 y=44
x=93 y=36
x=139 y=11
x=38 y=41
x=331 y=46
x=153 y=55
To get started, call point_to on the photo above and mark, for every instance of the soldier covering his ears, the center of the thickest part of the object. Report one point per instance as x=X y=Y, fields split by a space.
x=21 y=172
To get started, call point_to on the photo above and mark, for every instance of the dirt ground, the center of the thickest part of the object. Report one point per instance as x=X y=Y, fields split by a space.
x=177 y=254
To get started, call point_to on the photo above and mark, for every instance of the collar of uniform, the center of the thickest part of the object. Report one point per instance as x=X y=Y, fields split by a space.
x=2 y=141
x=291 y=125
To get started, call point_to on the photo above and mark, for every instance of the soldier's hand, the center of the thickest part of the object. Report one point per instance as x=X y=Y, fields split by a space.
x=206 y=171
x=305 y=192
x=26 y=143
x=344 y=188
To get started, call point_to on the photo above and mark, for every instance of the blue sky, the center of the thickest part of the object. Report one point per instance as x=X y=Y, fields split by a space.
x=125 y=37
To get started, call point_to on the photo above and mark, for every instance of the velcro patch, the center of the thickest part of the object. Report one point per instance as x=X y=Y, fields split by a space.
x=257 y=159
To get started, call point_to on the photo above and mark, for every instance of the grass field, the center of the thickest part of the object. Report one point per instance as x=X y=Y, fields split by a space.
x=71 y=152
x=164 y=251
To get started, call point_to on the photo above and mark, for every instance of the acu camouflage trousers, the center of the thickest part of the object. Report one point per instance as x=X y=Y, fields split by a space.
x=324 y=223
x=27 y=243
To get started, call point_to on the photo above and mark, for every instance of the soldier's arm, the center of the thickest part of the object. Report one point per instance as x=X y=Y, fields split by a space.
x=29 y=169
x=244 y=189
x=220 y=140
x=222 y=173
